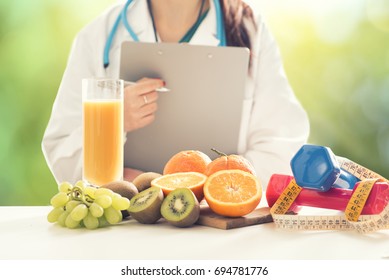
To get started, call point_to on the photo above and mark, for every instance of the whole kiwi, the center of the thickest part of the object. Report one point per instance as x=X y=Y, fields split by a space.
x=125 y=189
x=145 y=206
x=143 y=181
x=181 y=208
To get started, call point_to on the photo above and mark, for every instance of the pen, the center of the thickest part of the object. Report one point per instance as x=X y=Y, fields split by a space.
x=160 y=89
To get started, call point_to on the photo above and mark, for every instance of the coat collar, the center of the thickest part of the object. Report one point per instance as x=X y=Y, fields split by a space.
x=206 y=32
x=140 y=21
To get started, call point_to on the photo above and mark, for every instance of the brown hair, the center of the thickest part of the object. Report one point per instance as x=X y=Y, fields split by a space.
x=236 y=15
x=235 y=12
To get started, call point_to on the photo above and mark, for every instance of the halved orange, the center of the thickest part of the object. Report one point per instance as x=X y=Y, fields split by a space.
x=192 y=180
x=232 y=193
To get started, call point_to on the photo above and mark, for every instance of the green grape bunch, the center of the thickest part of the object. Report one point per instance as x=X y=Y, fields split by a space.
x=87 y=206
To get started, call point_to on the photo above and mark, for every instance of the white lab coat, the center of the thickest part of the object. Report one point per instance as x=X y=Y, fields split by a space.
x=274 y=124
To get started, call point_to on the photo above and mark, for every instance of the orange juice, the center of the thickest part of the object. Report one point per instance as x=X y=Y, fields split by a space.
x=103 y=141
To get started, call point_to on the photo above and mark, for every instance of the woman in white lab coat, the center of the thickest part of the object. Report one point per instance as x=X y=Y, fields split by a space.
x=276 y=124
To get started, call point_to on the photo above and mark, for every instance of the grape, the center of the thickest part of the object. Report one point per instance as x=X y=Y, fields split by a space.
x=79 y=212
x=103 y=221
x=81 y=184
x=65 y=187
x=59 y=199
x=84 y=205
x=62 y=218
x=96 y=210
x=112 y=215
x=70 y=223
x=54 y=214
x=103 y=191
x=90 y=191
x=104 y=201
x=90 y=222
x=71 y=205
x=120 y=203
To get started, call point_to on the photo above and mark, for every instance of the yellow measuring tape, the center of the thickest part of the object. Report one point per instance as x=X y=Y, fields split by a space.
x=352 y=218
x=283 y=203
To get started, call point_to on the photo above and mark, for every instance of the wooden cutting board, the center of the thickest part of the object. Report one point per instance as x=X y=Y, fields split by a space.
x=210 y=219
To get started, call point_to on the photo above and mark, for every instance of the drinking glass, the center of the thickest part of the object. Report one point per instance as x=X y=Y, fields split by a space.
x=102 y=103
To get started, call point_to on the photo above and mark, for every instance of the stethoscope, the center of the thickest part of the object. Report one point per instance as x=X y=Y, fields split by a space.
x=220 y=32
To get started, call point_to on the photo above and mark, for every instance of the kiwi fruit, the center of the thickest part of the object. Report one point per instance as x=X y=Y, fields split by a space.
x=125 y=189
x=143 y=181
x=181 y=208
x=145 y=206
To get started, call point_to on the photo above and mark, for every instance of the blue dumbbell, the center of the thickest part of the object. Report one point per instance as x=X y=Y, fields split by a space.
x=316 y=167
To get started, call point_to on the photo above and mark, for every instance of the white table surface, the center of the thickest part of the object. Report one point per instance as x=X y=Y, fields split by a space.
x=26 y=234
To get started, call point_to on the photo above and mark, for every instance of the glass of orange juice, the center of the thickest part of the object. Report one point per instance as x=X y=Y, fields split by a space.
x=102 y=105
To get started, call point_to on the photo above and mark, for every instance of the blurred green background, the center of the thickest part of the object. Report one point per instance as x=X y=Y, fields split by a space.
x=336 y=55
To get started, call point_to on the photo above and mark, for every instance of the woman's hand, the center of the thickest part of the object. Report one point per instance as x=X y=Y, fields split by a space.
x=140 y=103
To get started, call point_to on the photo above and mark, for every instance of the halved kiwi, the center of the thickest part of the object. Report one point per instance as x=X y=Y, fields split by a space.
x=145 y=206
x=143 y=181
x=181 y=208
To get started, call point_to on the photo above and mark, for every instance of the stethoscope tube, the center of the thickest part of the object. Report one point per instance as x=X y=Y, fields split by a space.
x=122 y=17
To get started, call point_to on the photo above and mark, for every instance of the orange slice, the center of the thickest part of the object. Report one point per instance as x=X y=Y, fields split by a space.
x=192 y=180
x=232 y=193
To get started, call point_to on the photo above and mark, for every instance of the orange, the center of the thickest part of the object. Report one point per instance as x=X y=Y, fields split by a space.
x=227 y=162
x=192 y=180
x=187 y=161
x=232 y=193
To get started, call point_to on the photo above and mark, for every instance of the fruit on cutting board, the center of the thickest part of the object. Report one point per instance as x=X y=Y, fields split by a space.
x=228 y=184
x=191 y=180
x=143 y=181
x=181 y=208
x=232 y=193
x=187 y=161
x=145 y=206
x=227 y=162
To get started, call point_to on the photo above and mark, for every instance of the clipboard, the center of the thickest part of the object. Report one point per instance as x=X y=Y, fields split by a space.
x=203 y=109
